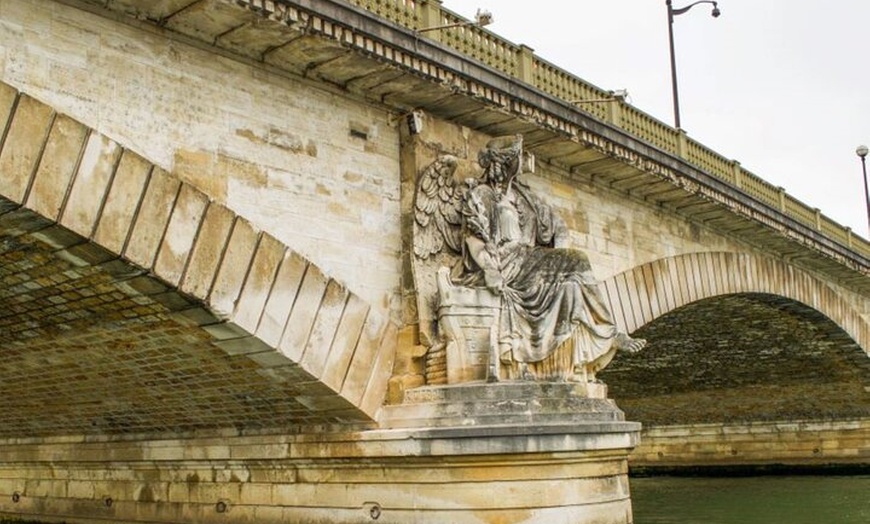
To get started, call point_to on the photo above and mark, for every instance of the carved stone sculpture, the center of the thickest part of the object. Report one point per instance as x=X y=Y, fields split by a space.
x=515 y=302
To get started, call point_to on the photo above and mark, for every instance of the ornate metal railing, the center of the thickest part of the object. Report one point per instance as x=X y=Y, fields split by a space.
x=519 y=62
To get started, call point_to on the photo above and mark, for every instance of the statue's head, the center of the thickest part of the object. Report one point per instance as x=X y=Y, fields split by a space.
x=502 y=159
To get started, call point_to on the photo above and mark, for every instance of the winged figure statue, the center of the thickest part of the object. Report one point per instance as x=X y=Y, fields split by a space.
x=498 y=237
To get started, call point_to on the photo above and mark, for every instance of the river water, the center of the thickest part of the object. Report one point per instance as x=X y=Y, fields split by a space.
x=752 y=500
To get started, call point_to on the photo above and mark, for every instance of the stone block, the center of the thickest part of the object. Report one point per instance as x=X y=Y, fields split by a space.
x=86 y=254
x=346 y=338
x=152 y=218
x=23 y=146
x=207 y=251
x=247 y=346
x=325 y=325
x=122 y=202
x=303 y=314
x=267 y=357
x=90 y=184
x=59 y=161
x=58 y=237
x=364 y=355
x=8 y=101
x=225 y=331
x=256 y=494
x=234 y=268
x=281 y=298
x=180 y=234
x=258 y=284
x=382 y=367
x=22 y=221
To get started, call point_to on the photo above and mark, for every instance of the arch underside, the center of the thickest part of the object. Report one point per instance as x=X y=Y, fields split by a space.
x=749 y=348
x=130 y=303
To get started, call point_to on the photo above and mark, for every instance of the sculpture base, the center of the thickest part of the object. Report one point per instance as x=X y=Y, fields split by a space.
x=519 y=452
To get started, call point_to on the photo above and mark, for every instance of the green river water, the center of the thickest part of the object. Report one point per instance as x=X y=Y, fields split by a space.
x=752 y=500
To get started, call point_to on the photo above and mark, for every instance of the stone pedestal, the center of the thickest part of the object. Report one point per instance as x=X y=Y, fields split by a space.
x=515 y=452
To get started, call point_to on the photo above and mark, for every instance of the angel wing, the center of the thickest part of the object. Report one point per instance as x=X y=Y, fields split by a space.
x=437 y=209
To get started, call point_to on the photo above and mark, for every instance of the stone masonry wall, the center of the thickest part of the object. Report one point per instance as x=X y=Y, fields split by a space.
x=316 y=169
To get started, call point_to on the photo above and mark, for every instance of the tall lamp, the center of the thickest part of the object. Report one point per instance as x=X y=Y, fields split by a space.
x=671 y=14
x=862 y=153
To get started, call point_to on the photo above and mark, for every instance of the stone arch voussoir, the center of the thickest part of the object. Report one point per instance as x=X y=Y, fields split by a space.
x=644 y=293
x=96 y=201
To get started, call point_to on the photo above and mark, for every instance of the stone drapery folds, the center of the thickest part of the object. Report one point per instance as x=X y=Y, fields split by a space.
x=547 y=318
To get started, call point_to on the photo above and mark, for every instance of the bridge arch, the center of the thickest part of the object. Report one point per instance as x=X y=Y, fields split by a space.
x=644 y=293
x=736 y=338
x=186 y=314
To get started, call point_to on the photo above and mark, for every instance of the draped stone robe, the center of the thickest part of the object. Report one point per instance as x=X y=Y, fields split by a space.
x=548 y=293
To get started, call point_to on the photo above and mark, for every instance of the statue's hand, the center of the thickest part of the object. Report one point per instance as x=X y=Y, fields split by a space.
x=494 y=281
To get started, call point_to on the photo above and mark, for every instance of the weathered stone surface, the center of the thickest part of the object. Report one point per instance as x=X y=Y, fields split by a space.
x=367 y=347
x=319 y=174
x=205 y=256
x=23 y=145
x=59 y=162
x=91 y=184
x=122 y=202
x=281 y=478
x=180 y=234
x=324 y=329
x=281 y=298
x=234 y=268
x=153 y=216
x=304 y=313
x=258 y=283
x=346 y=337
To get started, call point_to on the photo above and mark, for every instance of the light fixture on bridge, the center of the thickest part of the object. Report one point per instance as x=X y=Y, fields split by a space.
x=481 y=19
x=618 y=95
x=413 y=118
x=862 y=153
x=671 y=14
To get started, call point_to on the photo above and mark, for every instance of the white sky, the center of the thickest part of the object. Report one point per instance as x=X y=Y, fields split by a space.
x=782 y=86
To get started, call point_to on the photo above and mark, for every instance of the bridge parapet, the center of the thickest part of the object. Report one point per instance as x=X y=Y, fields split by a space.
x=520 y=63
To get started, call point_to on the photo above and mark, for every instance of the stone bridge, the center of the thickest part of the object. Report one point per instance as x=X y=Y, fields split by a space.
x=208 y=306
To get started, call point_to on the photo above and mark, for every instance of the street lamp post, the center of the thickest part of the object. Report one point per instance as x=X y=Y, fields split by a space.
x=862 y=153
x=671 y=14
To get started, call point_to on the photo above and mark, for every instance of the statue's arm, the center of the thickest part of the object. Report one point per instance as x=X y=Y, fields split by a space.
x=560 y=232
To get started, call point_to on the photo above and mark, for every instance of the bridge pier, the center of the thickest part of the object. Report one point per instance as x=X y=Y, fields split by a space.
x=479 y=453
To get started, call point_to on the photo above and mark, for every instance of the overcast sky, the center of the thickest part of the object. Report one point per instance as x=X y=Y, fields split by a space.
x=782 y=86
